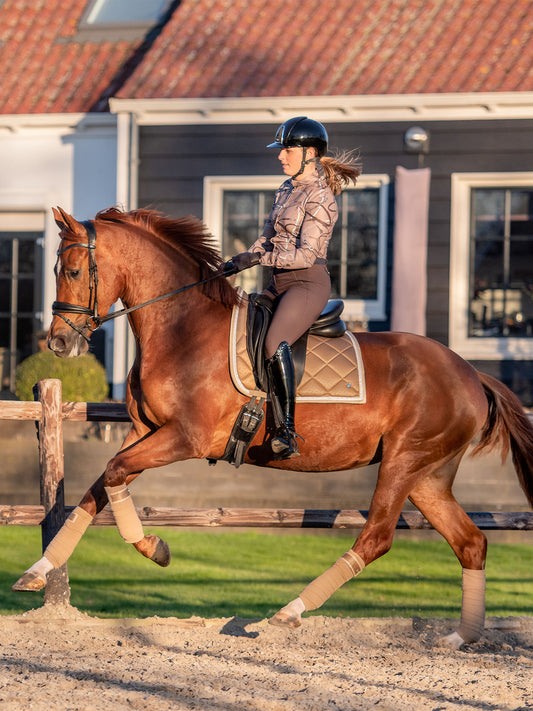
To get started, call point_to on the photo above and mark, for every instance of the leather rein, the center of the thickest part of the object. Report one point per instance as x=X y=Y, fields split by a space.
x=59 y=308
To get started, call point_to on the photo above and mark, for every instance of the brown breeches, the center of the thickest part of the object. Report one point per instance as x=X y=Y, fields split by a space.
x=301 y=294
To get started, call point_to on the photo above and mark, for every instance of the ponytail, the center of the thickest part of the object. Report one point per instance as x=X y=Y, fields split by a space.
x=340 y=169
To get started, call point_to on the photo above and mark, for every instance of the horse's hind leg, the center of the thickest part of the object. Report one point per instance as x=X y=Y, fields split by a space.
x=397 y=474
x=434 y=498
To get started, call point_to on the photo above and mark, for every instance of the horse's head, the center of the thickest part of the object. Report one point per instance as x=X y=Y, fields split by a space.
x=81 y=297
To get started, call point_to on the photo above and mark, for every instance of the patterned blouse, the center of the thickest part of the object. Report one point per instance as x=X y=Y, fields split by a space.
x=298 y=229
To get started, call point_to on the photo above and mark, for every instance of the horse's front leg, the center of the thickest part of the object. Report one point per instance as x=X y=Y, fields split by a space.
x=66 y=539
x=69 y=535
x=158 y=449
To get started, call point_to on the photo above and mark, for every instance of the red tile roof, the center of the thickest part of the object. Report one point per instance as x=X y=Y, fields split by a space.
x=266 y=48
x=236 y=48
x=43 y=66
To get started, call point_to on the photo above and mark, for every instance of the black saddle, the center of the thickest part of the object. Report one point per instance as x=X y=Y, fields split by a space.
x=260 y=311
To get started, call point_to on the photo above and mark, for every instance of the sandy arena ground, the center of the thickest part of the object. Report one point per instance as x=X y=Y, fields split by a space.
x=56 y=659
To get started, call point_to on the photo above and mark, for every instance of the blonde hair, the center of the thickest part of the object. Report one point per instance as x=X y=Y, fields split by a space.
x=340 y=169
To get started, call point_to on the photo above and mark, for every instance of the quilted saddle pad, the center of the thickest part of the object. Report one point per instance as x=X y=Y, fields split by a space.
x=334 y=370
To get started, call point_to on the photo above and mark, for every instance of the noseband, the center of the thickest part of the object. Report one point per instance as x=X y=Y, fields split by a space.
x=59 y=308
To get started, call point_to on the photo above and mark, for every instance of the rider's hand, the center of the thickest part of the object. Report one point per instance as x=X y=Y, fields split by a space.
x=241 y=261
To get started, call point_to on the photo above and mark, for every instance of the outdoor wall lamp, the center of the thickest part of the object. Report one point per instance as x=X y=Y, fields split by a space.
x=416 y=140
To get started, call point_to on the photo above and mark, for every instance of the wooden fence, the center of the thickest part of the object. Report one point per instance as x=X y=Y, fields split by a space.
x=49 y=411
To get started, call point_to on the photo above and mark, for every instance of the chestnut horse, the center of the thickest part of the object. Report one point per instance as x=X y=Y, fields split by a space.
x=424 y=406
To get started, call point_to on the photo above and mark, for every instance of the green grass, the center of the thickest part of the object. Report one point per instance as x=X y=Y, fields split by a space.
x=251 y=575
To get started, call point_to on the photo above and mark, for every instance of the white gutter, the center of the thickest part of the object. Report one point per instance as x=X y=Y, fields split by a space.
x=380 y=107
x=127 y=179
x=42 y=124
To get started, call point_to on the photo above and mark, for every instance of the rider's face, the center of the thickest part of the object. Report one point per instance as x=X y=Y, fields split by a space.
x=291 y=159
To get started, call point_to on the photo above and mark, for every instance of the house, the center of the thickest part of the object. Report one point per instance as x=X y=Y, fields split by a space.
x=174 y=109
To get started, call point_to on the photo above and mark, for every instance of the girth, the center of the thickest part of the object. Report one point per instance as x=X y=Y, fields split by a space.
x=260 y=311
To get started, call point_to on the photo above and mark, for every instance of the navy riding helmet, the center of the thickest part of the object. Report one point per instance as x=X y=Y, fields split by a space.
x=301 y=131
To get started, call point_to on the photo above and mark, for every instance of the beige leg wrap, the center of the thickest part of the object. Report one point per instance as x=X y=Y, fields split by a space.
x=473 y=605
x=63 y=543
x=128 y=523
x=323 y=587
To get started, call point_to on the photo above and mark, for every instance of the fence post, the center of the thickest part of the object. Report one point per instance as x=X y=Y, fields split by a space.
x=49 y=393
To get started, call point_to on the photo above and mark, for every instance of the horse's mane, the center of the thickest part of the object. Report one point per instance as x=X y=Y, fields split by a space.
x=187 y=234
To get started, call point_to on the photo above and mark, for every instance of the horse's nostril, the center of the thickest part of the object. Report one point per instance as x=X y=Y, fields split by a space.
x=57 y=344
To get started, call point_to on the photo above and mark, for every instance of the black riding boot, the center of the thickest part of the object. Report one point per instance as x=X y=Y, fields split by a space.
x=282 y=384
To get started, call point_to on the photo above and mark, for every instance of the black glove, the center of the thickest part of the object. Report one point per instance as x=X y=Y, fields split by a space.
x=241 y=261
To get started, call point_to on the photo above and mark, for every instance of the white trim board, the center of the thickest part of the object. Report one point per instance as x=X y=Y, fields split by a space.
x=343 y=109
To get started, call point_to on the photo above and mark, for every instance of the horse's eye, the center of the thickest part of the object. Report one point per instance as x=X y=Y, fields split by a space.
x=73 y=273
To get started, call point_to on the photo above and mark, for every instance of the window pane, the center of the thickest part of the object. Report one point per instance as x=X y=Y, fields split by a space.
x=241 y=221
x=244 y=215
x=502 y=263
x=5 y=256
x=5 y=295
x=488 y=213
x=27 y=247
x=334 y=273
x=488 y=269
x=25 y=295
x=358 y=243
x=362 y=281
x=26 y=329
x=521 y=263
x=4 y=333
x=522 y=213
x=124 y=11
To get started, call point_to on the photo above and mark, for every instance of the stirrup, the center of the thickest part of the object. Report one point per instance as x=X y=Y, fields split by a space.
x=284 y=443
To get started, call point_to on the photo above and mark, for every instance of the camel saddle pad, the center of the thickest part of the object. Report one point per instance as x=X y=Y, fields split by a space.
x=334 y=371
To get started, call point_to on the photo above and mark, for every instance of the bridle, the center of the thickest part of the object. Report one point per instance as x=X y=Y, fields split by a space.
x=94 y=320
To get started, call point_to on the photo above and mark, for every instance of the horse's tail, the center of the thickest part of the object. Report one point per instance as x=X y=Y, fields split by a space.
x=506 y=426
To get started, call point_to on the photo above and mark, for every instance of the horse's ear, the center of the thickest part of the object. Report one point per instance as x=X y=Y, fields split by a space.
x=66 y=222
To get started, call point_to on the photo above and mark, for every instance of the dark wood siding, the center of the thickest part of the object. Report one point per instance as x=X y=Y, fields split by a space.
x=175 y=159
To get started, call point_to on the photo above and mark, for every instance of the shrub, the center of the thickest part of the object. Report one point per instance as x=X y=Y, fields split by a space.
x=83 y=378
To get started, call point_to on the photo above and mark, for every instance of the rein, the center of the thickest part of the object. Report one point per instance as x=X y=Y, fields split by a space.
x=59 y=308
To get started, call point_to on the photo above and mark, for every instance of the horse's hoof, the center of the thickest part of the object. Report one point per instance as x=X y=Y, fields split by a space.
x=161 y=555
x=452 y=641
x=29 y=582
x=282 y=619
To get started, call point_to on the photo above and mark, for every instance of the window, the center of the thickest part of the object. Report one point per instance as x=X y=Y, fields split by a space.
x=491 y=280
x=236 y=208
x=125 y=11
x=353 y=250
x=111 y=20
x=20 y=292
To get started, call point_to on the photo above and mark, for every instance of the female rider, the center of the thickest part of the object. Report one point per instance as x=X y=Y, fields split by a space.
x=294 y=243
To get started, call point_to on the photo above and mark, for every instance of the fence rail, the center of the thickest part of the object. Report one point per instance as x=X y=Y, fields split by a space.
x=269 y=518
x=49 y=411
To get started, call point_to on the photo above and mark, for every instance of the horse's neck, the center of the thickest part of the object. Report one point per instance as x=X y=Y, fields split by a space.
x=185 y=318
x=182 y=316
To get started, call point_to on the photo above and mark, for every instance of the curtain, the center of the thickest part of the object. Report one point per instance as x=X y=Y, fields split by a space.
x=409 y=274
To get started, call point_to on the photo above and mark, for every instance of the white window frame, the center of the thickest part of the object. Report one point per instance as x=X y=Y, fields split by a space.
x=460 y=342
x=354 y=309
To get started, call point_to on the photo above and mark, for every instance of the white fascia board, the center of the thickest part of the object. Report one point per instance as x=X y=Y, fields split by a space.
x=379 y=107
x=31 y=124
